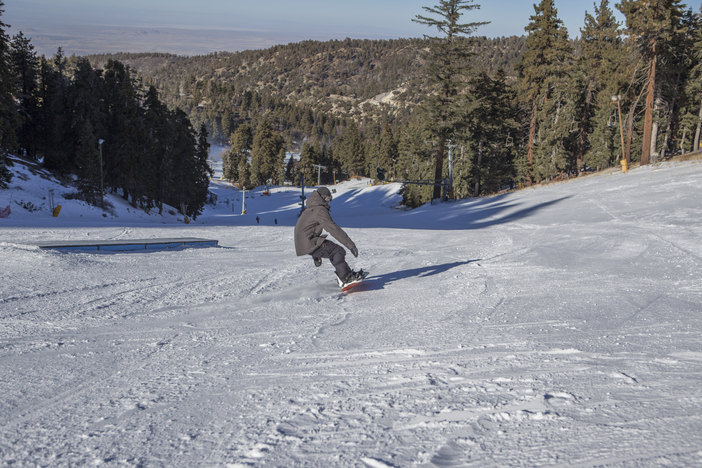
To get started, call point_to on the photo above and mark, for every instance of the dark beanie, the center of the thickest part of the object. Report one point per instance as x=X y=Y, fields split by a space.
x=324 y=192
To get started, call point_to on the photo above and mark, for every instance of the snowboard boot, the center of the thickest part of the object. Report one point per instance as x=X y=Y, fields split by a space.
x=351 y=277
x=317 y=261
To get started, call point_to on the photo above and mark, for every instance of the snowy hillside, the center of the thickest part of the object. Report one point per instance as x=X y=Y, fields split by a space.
x=554 y=326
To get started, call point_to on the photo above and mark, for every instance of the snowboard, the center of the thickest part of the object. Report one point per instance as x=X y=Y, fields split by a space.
x=353 y=284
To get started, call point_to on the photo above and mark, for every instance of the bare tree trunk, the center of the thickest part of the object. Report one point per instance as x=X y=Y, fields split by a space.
x=532 y=137
x=698 y=131
x=439 y=170
x=673 y=118
x=630 y=128
x=476 y=193
x=629 y=134
x=682 y=142
x=582 y=138
x=648 y=119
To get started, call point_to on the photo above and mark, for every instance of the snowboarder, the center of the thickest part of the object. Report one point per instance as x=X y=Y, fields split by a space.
x=258 y=221
x=309 y=239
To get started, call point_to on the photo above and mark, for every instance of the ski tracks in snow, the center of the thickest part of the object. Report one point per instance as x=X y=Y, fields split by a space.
x=545 y=341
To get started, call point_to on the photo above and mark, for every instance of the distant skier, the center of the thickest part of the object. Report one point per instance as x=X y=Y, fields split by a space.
x=258 y=221
x=309 y=239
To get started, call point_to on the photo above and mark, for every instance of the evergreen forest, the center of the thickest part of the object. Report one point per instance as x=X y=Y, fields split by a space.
x=501 y=112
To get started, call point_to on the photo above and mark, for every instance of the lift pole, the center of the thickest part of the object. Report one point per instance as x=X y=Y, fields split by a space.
x=319 y=172
x=302 y=197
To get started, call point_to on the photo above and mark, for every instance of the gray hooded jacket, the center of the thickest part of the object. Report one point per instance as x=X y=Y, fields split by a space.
x=308 y=230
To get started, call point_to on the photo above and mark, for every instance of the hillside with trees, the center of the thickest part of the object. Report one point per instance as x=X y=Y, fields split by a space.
x=504 y=112
x=103 y=127
x=360 y=79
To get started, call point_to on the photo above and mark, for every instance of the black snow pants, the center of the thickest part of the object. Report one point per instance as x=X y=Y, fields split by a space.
x=336 y=254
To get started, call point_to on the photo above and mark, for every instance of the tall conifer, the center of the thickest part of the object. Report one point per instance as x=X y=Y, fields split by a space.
x=650 y=23
x=351 y=151
x=543 y=72
x=309 y=156
x=694 y=88
x=124 y=135
x=415 y=160
x=601 y=74
x=265 y=154
x=447 y=70
x=24 y=65
x=87 y=163
x=491 y=128
x=9 y=118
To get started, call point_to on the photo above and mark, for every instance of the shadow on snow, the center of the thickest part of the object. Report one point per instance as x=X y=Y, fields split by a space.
x=374 y=283
x=353 y=210
x=464 y=215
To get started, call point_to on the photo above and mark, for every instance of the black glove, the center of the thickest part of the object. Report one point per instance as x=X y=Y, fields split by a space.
x=354 y=251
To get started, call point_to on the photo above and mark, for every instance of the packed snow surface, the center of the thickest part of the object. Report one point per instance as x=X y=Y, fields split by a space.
x=554 y=326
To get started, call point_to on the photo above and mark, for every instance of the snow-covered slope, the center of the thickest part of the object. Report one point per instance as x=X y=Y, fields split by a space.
x=554 y=326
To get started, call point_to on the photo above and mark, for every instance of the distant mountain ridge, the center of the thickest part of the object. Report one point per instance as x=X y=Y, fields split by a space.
x=347 y=78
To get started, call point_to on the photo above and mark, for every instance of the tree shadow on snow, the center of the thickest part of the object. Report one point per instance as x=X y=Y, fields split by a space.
x=468 y=214
x=374 y=283
x=359 y=210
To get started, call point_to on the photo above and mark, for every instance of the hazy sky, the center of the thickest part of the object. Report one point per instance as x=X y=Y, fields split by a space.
x=270 y=21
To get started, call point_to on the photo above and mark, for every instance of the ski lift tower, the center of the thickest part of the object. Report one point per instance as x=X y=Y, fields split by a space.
x=446 y=184
x=319 y=172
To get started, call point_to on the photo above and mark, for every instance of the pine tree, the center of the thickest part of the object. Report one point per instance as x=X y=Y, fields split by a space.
x=202 y=173
x=651 y=23
x=332 y=166
x=309 y=156
x=24 y=64
x=87 y=164
x=51 y=120
x=543 y=72
x=676 y=62
x=352 y=151
x=84 y=104
x=230 y=166
x=265 y=154
x=600 y=71
x=693 y=118
x=151 y=186
x=290 y=170
x=447 y=70
x=241 y=141
x=245 y=174
x=9 y=117
x=491 y=128
x=188 y=173
x=227 y=121
x=124 y=132
x=387 y=151
x=415 y=161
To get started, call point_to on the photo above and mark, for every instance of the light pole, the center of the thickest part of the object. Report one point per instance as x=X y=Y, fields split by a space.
x=102 y=192
x=625 y=157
